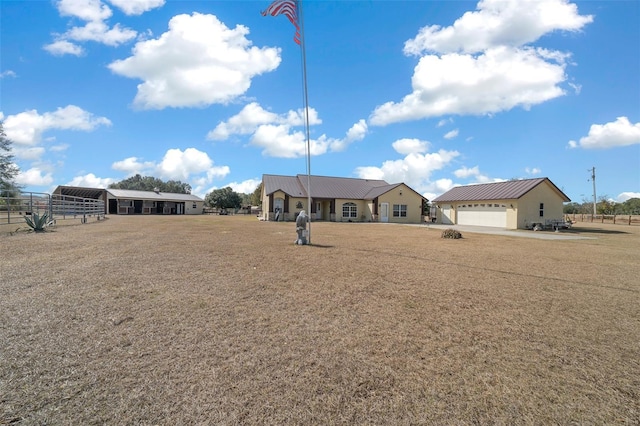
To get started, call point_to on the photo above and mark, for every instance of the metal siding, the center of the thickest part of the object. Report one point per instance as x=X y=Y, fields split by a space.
x=513 y=190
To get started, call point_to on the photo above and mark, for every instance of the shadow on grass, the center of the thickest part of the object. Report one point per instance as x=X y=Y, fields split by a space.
x=578 y=230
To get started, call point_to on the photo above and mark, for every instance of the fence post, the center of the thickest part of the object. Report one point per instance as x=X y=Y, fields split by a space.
x=629 y=219
x=614 y=219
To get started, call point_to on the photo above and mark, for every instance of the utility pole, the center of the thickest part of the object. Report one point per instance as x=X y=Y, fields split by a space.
x=593 y=179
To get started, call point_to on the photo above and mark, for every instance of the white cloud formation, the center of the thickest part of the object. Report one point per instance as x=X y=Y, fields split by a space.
x=90 y=181
x=31 y=153
x=7 y=73
x=34 y=177
x=624 y=196
x=197 y=62
x=444 y=122
x=465 y=172
x=415 y=169
x=132 y=166
x=498 y=80
x=483 y=63
x=275 y=133
x=26 y=128
x=136 y=7
x=532 y=171
x=410 y=146
x=610 y=135
x=178 y=164
x=64 y=47
x=95 y=14
x=499 y=23
x=452 y=134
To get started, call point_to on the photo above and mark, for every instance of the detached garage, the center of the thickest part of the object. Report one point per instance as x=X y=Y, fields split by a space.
x=516 y=204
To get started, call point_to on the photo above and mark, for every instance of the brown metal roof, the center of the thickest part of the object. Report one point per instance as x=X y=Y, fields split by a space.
x=510 y=190
x=327 y=187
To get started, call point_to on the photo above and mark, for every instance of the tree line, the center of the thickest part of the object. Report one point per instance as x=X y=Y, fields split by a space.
x=604 y=206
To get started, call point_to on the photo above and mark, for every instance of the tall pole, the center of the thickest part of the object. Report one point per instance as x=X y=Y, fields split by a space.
x=593 y=179
x=306 y=111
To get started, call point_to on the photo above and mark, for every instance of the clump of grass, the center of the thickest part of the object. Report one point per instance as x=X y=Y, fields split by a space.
x=451 y=233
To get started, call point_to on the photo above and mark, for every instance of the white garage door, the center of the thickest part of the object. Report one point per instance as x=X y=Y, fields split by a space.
x=483 y=215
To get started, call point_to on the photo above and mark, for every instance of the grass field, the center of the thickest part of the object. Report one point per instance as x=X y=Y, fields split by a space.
x=222 y=320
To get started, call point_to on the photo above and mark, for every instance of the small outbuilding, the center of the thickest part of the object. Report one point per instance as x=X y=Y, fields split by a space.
x=514 y=204
x=339 y=199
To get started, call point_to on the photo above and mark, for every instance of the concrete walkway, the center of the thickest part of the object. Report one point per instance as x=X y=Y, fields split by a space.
x=541 y=235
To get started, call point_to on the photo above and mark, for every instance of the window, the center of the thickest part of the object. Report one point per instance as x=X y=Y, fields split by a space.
x=541 y=209
x=399 y=210
x=349 y=210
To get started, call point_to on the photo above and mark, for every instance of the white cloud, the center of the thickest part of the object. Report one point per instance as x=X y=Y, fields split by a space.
x=245 y=187
x=26 y=128
x=465 y=172
x=100 y=32
x=275 y=133
x=410 y=146
x=31 y=153
x=198 y=62
x=87 y=10
x=34 y=177
x=132 y=166
x=90 y=181
x=624 y=196
x=613 y=134
x=532 y=171
x=452 y=134
x=95 y=14
x=179 y=165
x=136 y=7
x=59 y=148
x=64 y=47
x=415 y=169
x=498 y=80
x=444 y=122
x=483 y=63
x=499 y=23
x=7 y=73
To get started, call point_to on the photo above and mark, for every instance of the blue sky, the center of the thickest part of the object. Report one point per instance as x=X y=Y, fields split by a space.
x=431 y=93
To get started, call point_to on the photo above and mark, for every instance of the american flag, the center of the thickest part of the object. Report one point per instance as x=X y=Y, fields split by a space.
x=288 y=8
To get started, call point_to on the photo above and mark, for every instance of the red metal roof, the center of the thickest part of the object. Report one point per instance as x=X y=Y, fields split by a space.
x=509 y=190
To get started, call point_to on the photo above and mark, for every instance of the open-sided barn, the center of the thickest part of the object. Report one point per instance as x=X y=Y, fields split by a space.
x=515 y=204
x=125 y=201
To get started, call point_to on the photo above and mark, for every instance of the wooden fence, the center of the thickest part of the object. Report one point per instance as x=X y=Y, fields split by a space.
x=619 y=219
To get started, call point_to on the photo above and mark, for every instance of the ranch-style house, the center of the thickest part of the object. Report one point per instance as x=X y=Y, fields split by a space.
x=339 y=199
x=515 y=204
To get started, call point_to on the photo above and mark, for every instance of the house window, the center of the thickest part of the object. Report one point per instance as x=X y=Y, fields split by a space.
x=349 y=210
x=399 y=210
x=195 y=206
x=541 y=209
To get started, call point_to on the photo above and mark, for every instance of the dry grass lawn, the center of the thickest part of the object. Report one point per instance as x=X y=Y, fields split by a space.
x=222 y=320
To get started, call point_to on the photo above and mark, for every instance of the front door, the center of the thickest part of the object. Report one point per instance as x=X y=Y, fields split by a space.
x=318 y=210
x=384 y=212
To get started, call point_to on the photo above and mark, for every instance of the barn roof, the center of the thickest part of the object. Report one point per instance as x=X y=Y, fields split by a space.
x=151 y=195
x=509 y=190
x=327 y=186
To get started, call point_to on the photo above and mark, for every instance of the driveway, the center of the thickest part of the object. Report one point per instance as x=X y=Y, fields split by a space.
x=541 y=235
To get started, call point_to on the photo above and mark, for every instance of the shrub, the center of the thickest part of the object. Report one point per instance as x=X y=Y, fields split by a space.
x=451 y=233
x=37 y=222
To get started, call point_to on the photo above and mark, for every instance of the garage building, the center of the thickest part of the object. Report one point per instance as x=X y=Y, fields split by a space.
x=515 y=204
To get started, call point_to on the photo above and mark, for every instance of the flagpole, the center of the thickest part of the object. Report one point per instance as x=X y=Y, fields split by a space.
x=306 y=111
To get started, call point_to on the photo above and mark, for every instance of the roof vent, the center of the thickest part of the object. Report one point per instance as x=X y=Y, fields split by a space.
x=156 y=190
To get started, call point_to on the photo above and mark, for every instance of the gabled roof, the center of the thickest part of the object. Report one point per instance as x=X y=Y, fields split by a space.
x=327 y=187
x=151 y=195
x=509 y=190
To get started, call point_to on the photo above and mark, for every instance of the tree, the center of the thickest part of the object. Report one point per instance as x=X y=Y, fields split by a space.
x=224 y=198
x=8 y=169
x=571 y=208
x=631 y=206
x=256 y=197
x=149 y=183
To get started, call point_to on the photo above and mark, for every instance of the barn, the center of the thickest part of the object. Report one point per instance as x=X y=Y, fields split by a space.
x=514 y=204
x=126 y=201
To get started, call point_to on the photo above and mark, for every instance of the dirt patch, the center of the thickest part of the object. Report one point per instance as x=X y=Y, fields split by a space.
x=223 y=320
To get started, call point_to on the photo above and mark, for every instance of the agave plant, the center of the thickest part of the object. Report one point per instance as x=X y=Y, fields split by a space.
x=37 y=222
